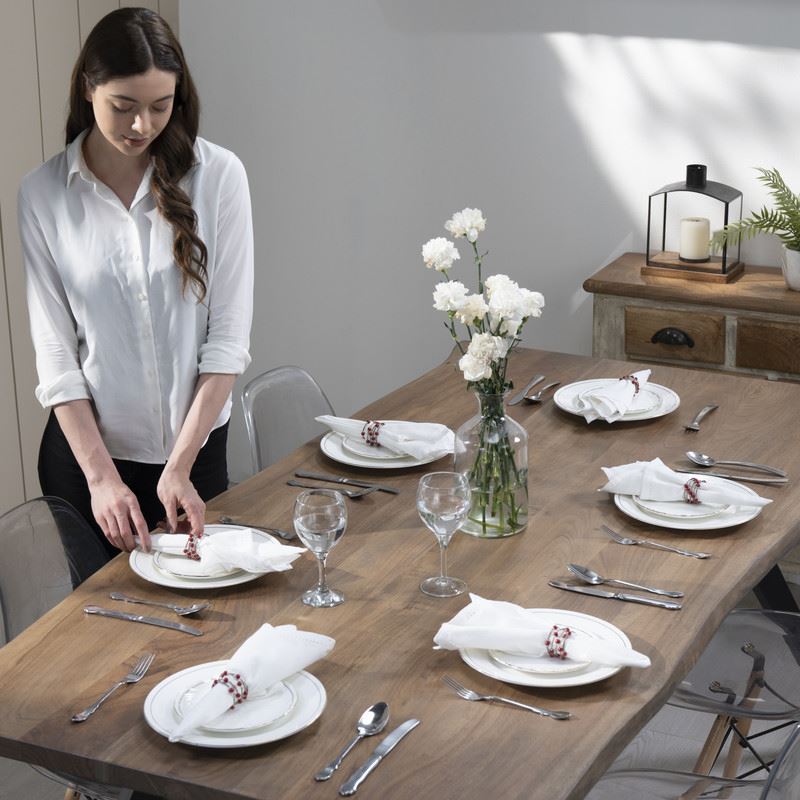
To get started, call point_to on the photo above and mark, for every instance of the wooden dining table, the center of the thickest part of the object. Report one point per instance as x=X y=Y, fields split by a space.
x=384 y=630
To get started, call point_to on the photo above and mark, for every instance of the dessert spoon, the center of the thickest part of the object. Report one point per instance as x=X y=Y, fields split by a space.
x=590 y=576
x=703 y=460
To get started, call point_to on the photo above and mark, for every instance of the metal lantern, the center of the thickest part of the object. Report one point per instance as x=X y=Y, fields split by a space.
x=693 y=259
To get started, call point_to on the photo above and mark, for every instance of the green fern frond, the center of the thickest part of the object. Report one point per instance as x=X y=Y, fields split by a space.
x=783 y=221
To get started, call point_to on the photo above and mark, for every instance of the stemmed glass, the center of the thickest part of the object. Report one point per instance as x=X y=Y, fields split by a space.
x=320 y=517
x=443 y=504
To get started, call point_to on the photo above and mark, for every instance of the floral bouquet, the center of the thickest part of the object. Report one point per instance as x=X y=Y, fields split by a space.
x=492 y=448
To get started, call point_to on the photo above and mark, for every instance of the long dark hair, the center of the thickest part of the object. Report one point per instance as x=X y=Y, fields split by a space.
x=131 y=41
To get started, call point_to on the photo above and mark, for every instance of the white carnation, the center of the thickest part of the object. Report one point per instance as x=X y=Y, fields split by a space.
x=469 y=222
x=449 y=295
x=531 y=304
x=496 y=283
x=474 y=369
x=510 y=327
x=486 y=347
x=439 y=254
x=473 y=308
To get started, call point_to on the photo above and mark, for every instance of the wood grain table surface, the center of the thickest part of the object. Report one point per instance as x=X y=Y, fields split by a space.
x=384 y=630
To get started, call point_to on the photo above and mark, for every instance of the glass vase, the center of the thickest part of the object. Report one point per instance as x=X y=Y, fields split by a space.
x=492 y=450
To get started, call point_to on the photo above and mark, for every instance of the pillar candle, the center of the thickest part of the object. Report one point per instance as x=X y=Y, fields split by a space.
x=695 y=235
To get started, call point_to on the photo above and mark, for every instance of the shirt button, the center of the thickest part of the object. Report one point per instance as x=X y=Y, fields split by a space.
x=142 y=296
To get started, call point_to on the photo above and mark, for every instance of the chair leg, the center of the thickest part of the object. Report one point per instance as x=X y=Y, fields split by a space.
x=71 y=794
x=711 y=747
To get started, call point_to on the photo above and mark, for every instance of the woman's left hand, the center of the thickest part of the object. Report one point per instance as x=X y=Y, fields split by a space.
x=176 y=491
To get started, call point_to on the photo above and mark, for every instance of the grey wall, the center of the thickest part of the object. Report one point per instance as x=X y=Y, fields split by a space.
x=365 y=124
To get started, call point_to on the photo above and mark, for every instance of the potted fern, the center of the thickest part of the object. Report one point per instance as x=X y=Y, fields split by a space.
x=783 y=221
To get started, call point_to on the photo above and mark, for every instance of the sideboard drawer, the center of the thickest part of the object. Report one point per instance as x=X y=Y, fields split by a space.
x=767 y=344
x=683 y=335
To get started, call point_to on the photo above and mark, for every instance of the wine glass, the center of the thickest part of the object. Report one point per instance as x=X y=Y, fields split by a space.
x=320 y=517
x=443 y=503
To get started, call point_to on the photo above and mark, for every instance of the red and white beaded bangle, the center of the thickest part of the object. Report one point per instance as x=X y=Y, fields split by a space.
x=371 y=431
x=634 y=380
x=190 y=551
x=236 y=686
x=690 y=489
x=556 y=642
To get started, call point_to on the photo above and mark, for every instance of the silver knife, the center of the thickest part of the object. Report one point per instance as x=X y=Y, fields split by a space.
x=349 y=481
x=517 y=398
x=749 y=478
x=162 y=623
x=633 y=598
x=354 y=781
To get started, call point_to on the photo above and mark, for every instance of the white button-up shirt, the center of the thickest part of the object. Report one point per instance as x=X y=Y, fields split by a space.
x=109 y=320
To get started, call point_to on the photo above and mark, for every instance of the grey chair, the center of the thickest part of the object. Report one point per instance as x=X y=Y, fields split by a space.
x=783 y=782
x=279 y=409
x=47 y=549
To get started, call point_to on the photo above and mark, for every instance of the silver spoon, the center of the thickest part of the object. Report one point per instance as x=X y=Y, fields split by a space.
x=537 y=397
x=182 y=611
x=590 y=576
x=372 y=721
x=281 y=534
x=701 y=459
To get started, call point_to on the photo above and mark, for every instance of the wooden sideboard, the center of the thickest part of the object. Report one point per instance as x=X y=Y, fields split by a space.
x=750 y=326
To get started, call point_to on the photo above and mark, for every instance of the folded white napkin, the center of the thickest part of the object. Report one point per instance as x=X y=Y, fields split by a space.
x=611 y=401
x=415 y=439
x=498 y=625
x=654 y=480
x=268 y=656
x=236 y=549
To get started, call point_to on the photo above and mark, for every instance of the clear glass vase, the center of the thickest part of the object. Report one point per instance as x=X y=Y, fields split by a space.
x=492 y=450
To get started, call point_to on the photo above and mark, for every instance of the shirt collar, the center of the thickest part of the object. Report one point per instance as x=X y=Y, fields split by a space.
x=76 y=165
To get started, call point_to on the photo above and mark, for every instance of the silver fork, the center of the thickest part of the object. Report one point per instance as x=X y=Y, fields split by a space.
x=468 y=694
x=281 y=534
x=627 y=540
x=134 y=676
x=353 y=494
x=694 y=425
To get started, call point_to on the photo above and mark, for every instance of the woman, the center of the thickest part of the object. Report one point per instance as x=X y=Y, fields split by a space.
x=137 y=242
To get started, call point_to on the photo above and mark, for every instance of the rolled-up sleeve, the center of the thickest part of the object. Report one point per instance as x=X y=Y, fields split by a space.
x=53 y=328
x=230 y=290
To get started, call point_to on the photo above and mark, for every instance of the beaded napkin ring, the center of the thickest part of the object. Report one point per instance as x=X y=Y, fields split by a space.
x=371 y=431
x=690 y=490
x=634 y=380
x=190 y=551
x=556 y=642
x=236 y=686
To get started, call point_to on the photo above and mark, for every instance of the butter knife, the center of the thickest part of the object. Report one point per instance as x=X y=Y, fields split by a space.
x=354 y=781
x=349 y=481
x=633 y=598
x=749 y=478
x=517 y=398
x=162 y=623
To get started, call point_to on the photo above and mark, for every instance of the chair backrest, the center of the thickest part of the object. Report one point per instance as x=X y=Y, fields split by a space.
x=784 y=777
x=279 y=410
x=46 y=550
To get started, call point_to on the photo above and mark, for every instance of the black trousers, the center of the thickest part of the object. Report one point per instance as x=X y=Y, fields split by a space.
x=61 y=476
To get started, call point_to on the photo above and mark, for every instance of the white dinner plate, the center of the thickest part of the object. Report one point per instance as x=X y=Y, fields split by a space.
x=483 y=662
x=358 y=448
x=332 y=446
x=727 y=518
x=258 y=711
x=679 y=510
x=144 y=565
x=657 y=400
x=161 y=716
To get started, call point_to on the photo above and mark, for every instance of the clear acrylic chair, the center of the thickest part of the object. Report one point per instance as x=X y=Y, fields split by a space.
x=47 y=549
x=279 y=409
x=783 y=782
x=750 y=670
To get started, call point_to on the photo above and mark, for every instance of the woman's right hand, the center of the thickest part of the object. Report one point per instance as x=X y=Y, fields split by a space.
x=117 y=512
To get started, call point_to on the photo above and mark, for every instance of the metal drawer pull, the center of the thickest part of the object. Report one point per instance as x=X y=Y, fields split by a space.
x=672 y=336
